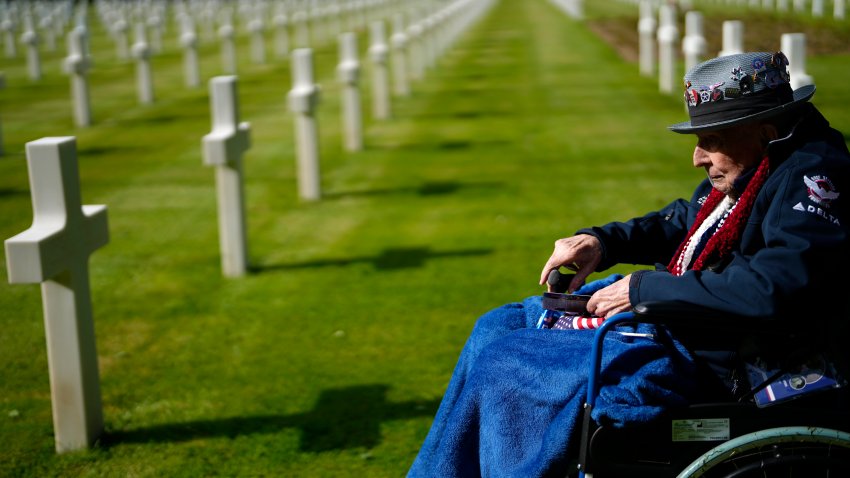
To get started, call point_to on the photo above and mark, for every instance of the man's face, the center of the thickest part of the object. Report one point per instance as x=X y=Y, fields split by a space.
x=727 y=153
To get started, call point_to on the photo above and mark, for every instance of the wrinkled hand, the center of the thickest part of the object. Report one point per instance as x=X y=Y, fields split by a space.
x=611 y=300
x=581 y=253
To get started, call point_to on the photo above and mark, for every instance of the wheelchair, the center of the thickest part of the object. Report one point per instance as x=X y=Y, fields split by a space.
x=797 y=438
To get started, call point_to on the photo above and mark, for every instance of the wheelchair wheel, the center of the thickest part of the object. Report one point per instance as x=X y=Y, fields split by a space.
x=777 y=452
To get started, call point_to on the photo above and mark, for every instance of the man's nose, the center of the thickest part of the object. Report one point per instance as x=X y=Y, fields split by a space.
x=701 y=158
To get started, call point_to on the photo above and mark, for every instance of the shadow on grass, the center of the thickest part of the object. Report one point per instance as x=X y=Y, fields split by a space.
x=388 y=259
x=342 y=418
x=442 y=146
x=10 y=192
x=434 y=188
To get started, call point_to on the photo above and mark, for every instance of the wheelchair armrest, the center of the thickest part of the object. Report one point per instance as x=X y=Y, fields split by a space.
x=683 y=314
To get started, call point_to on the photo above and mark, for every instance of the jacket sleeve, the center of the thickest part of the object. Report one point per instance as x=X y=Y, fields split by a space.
x=793 y=249
x=645 y=240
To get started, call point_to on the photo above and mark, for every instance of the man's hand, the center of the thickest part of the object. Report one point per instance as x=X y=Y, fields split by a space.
x=611 y=300
x=581 y=253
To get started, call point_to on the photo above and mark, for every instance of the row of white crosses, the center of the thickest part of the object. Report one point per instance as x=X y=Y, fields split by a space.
x=54 y=251
x=694 y=45
x=817 y=8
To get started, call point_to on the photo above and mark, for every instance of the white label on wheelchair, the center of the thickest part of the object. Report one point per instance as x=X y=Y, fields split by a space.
x=701 y=429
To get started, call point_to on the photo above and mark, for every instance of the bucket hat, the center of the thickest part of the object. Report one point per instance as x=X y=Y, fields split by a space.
x=737 y=89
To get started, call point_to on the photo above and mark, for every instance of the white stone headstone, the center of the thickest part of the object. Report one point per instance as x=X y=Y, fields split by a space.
x=694 y=44
x=668 y=39
x=77 y=65
x=379 y=52
x=646 y=38
x=228 y=49
x=416 y=51
x=794 y=47
x=281 y=35
x=223 y=148
x=399 y=56
x=733 y=38
x=54 y=252
x=155 y=25
x=258 y=40
x=782 y=5
x=302 y=29
x=799 y=6
x=119 y=33
x=817 y=8
x=142 y=54
x=2 y=86
x=303 y=99
x=30 y=39
x=189 y=43
x=348 y=72
x=839 y=9
x=8 y=27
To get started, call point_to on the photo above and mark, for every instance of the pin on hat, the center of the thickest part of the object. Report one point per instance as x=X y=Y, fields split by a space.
x=736 y=89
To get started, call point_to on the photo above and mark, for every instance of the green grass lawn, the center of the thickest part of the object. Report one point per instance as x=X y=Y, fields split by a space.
x=330 y=358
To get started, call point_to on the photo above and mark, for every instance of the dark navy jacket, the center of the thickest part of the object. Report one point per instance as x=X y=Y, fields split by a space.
x=793 y=256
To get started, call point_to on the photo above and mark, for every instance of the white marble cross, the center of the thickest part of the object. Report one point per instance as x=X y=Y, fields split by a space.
x=399 y=61
x=54 y=251
x=258 y=40
x=839 y=9
x=281 y=37
x=2 y=86
x=733 y=38
x=76 y=66
x=142 y=54
x=30 y=38
x=8 y=27
x=228 y=49
x=348 y=72
x=189 y=42
x=303 y=99
x=646 y=34
x=794 y=46
x=223 y=148
x=378 y=51
x=694 y=45
x=668 y=38
x=302 y=29
x=119 y=33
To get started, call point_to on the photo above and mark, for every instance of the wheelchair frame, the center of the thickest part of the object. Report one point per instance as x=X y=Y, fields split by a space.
x=759 y=439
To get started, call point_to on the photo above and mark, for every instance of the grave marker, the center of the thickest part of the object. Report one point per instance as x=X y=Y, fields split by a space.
x=668 y=37
x=258 y=41
x=839 y=9
x=378 y=51
x=2 y=87
x=399 y=61
x=303 y=99
x=8 y=27
x=228 y=49
x=54 y=251
x=646 y=32
x=77 y=65
x=189 y=42
x=794 y=47
x=281 y=38
x=223 y=148
x=142 y=54
x=694 y=45
x=733 y=38
x=30 y=39
x=348 y=72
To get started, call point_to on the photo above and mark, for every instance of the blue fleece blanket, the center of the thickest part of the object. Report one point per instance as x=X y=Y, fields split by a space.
x=513 y=404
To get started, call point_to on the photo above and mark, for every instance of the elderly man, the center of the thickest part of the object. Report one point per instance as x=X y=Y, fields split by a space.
x=764 y=235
